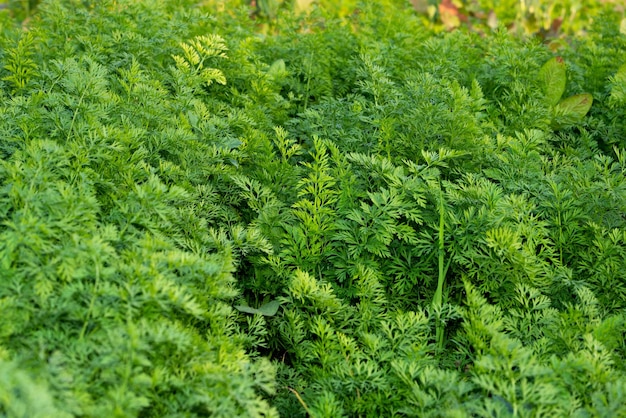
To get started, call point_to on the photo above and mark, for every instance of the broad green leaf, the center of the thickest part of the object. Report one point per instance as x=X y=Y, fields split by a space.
x=277 y=66
x=552 y=76
x=622 y=26
x=246 y=309
x=269 y=309
x=572 y=110
x=277 y=70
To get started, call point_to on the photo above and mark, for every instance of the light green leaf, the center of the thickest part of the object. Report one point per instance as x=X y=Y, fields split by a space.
x=618 y=87
x=269 y=309
x=246 y=309
x=277 y=70
x=277 y=66
x=552 y=76
x=572 y=110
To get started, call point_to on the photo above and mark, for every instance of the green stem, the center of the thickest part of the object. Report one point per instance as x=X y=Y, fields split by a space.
x=304 y=405
x=80 y=102
x=438 y=298
x=92 y=302
x=308 y=81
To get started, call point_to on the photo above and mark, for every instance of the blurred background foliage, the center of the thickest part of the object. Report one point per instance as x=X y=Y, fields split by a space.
x=545 y=18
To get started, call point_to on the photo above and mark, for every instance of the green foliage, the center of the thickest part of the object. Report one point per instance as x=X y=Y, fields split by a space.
x=20 y=65
x=566 y=112
x=109 y=265
x=309 y=210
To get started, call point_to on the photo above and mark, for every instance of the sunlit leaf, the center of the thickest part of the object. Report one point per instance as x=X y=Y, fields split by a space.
x=553 y=78
x=269 y=309
x=572 y=110
x=618 y=87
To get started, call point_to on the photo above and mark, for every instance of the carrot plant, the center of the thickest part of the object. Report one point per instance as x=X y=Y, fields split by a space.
x=308 y=210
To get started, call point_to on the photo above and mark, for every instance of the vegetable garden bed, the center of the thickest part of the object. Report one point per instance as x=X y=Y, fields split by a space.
x=325 y=210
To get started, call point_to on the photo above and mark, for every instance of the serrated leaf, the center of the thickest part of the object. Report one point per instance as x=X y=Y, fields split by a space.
x=620 y=75
x=553 y=77
x=572 y=110
x=618 y=87
x=269 y=309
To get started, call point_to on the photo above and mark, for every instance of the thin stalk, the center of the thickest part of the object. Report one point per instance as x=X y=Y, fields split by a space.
x=308 y=81
x=304 y=405
x=80 y=102
x=438 y=298
x=92 y=302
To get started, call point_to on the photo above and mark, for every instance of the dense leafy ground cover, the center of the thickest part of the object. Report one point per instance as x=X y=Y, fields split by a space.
x=315 y=212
